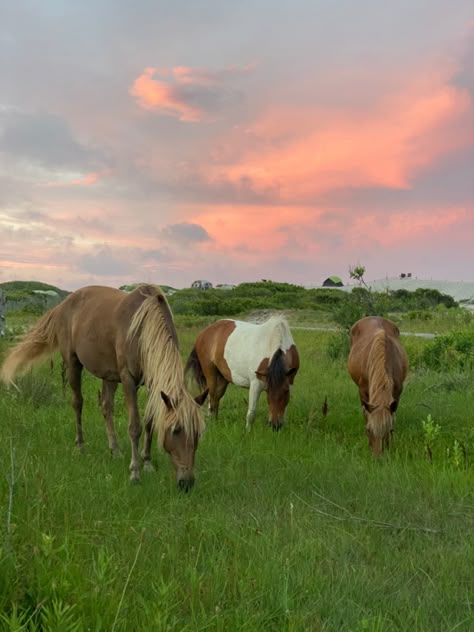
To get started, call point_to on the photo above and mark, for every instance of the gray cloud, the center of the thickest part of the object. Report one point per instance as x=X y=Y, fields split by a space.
x=464 y=78
x=185 y=232
x=103 y=263
x=45 y=140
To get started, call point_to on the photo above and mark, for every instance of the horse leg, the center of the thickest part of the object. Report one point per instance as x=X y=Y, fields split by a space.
x=74 y=376
x=254 y=393
x=106 y=403
x=216 y=392
x=134 y=424
x=146 y=452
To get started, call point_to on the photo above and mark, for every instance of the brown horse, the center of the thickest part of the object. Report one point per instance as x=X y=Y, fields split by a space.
x=257 y=357
x=127 y=338
x=378 y=364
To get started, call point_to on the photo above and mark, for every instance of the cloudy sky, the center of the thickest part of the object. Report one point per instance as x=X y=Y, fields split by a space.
x=232 y=141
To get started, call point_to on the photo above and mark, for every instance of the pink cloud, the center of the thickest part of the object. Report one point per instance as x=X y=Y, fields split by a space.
x=87 y=180
x=183 y=92
x=301 y=151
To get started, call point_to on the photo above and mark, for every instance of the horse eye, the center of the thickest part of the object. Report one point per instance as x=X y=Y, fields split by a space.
x=177 y=431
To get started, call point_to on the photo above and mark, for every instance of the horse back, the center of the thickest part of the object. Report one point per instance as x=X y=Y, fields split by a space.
x=94 y=326
x=362 y=336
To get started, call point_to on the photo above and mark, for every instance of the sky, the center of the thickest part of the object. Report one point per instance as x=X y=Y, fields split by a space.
x=233 y=141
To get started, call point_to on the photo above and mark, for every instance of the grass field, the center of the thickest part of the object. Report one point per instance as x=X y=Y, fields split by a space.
x=297 y=530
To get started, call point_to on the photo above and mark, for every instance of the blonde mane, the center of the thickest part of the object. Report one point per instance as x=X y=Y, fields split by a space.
x=380 y=383
x=152 y=326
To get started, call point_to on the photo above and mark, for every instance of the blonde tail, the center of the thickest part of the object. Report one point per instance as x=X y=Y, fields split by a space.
x=40 y=342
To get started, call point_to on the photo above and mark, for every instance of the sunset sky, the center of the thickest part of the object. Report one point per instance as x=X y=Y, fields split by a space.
x=233 y=141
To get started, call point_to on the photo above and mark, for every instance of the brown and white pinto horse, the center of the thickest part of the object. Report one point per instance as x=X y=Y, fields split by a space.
x=127 y=338
x=256 y=356
x=378 y=364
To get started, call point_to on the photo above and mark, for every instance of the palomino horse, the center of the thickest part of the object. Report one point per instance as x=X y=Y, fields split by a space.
x=378 y=364
x=258 y=357
x=127 y=338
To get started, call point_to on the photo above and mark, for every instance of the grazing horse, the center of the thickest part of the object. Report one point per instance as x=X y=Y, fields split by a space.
x=378 y=364
x=257 y=357
x=127 y=338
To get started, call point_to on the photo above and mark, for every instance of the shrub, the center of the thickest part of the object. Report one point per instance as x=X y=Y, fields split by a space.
x=451 y=351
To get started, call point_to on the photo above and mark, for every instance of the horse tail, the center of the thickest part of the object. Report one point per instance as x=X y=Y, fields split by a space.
x=193 y=367
x=379 y=422
x=40 y=342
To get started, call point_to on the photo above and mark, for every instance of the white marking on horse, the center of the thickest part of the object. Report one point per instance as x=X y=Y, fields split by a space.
x=250 y=343
x=247 y=346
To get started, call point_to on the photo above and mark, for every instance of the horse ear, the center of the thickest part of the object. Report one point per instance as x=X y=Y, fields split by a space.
x=262 y=376
x=291 y=372
x=200 y=399
x=167 y=401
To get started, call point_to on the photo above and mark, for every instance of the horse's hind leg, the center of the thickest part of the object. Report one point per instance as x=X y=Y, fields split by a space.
x=217 y=385
x=74 y=376
x=106 y=403
x=134 y=425
x=146 y=452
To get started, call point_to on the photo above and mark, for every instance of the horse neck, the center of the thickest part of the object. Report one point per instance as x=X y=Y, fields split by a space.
x=380 y=382
x=279 y=333
x=162 y=368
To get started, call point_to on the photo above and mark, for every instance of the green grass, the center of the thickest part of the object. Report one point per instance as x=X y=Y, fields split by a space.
x=297 y=530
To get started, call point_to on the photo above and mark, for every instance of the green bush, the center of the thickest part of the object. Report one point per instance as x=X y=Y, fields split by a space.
x=451 y=351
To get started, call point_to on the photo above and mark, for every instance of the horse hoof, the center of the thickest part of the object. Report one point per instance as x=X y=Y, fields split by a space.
x=148 y=466
x=134 y=477
x=116 y=453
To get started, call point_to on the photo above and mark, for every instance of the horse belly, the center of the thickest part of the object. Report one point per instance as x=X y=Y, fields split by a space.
x=102 y=365
x=241 y=353
x=96 y=352
x=239 y=379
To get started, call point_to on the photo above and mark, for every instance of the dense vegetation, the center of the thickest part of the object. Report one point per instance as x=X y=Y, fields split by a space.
x=298 y=530
x=248 y=297
x=256 y=296
x=17 y=290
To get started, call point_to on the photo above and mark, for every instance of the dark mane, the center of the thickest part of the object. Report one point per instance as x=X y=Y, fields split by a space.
x=276 y=371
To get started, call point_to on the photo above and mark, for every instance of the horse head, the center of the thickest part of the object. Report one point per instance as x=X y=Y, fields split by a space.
x=277 y=380
x=184 y=426
x=379 y=422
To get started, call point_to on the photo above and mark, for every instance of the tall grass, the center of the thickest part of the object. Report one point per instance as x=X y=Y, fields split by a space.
x=297 y=530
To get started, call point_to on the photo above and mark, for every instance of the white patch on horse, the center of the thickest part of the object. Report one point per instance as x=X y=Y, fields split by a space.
x=250 y=343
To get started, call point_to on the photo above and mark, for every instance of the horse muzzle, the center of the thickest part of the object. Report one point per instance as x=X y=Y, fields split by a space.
x=185 y=484
x=276 y=425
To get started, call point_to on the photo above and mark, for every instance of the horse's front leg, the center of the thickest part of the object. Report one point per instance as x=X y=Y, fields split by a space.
x=74 y=377
x=146 y=453
x=254 y=393
x=106 y=403
x=134 y=425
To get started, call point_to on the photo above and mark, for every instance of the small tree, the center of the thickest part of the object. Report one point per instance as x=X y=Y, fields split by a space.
x=357 y=273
